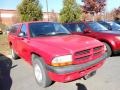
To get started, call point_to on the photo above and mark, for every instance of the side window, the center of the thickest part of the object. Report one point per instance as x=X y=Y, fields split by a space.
x=24 y=29
x=13 y=29
x=82 y=26
x=78 y=29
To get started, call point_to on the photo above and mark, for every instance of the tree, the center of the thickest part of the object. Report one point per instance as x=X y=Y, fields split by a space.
x=30 y=10
x=71 y=11
x=116 y=14
x=94 y=6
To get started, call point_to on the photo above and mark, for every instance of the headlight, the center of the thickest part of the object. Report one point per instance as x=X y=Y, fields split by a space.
x=62 y=60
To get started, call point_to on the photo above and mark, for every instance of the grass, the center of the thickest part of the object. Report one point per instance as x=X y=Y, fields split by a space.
x=4 y=47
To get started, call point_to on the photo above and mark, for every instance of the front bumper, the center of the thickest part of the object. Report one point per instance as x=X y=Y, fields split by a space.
x=73 y=68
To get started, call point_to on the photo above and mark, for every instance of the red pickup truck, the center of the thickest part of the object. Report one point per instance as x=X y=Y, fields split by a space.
x=55 y=54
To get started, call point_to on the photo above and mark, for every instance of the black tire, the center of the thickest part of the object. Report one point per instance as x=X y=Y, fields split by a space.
x=38 y=63
x=14 y=55
x=109 y=50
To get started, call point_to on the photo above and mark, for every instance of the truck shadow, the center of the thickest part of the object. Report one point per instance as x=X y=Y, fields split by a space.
x=81 y=86
x=116 y=55
x=5 y=67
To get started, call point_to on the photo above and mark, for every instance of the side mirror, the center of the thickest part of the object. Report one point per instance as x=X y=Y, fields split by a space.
x=109 y=28
x=21 y=34
x=87 y=31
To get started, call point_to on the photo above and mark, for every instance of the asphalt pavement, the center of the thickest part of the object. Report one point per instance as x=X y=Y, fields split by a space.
x=19 y=76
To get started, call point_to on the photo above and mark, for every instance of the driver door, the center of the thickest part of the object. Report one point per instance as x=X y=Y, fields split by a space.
x=23 y=42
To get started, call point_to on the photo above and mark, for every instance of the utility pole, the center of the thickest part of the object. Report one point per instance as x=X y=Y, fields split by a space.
x=47 y=9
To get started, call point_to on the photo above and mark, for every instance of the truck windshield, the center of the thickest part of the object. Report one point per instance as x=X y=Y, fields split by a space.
x=96 y=26
x=38 y=29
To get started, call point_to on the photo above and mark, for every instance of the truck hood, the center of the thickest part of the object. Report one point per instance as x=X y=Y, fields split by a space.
x=68 y=42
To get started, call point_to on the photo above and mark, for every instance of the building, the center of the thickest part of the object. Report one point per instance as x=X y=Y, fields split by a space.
x=50 y=16
x=9 y=17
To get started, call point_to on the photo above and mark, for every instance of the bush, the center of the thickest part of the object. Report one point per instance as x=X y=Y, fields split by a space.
x=3 y=27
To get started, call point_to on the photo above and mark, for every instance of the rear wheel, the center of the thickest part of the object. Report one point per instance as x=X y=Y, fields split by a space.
x=109 y=50
x=14 y=55
x=40 y=72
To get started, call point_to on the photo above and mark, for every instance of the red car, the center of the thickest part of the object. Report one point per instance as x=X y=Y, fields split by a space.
x=93 y=29
x=55 y=54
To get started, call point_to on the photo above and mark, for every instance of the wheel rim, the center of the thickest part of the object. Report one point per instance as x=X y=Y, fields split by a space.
x=38 y=73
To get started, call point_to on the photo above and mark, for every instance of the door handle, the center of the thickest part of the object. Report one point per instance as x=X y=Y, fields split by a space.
x=21 y=38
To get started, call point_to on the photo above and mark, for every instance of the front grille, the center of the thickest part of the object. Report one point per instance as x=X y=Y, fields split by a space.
x=89 y=54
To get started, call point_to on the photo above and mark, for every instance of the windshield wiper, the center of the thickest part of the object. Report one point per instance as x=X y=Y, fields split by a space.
x=62 y=33
x=41 y=34
x=53 y=34
x=57 y=33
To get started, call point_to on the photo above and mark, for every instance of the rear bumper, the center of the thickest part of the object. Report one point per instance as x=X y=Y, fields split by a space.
x=73 y=68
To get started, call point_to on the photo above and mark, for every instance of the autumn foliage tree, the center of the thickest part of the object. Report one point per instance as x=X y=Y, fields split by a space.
x=116 y=13
x=30 y=10
x=95 y=6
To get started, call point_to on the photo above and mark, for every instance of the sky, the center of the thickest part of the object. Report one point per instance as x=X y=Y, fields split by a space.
x=55 y=5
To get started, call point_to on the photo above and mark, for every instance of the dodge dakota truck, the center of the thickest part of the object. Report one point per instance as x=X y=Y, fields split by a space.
x=54 y=53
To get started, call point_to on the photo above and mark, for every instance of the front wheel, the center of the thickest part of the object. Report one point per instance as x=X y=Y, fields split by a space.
x=40 y=72
x=14 y=55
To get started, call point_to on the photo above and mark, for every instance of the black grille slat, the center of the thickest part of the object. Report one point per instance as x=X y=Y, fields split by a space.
x=82 y=52
x=83 y=58
x=97 y=48
x=98 y=53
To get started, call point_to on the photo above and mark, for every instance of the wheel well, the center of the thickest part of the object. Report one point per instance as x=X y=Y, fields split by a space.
x=10 y=44
x=107 y=43
x=33 y=53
